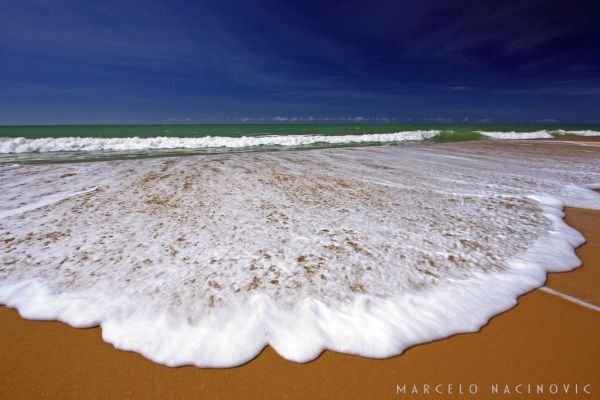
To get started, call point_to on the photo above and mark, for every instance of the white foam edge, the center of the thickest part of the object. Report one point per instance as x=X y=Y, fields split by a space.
x=369 y=327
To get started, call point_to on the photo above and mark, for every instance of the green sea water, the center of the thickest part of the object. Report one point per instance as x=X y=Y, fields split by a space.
x=449 y=132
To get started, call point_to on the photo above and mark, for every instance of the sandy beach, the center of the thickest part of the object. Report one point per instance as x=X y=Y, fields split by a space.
x=547 y=340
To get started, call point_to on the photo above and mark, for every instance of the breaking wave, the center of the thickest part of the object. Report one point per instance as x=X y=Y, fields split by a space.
x=23 y=145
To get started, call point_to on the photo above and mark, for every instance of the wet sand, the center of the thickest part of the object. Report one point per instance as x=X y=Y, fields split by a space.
x=544 y=340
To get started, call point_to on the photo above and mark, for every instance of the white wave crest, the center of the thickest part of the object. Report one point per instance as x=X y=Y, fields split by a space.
x=23 y=145
x=544 y=134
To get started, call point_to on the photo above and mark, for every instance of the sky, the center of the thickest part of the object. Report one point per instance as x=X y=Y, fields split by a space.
x=428 y=61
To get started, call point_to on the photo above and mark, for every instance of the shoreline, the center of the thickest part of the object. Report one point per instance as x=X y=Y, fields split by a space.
x=533 y=343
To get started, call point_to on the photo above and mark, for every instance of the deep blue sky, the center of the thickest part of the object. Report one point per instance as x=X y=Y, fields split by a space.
x=198 y=61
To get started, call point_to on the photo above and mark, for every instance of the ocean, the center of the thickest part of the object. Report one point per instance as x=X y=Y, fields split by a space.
x=66 y=143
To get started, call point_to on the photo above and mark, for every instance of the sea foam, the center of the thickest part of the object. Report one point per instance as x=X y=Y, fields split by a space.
x=543 y=134
x=205 y=260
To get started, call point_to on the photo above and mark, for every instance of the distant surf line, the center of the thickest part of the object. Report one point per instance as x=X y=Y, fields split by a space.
x=20 y=145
